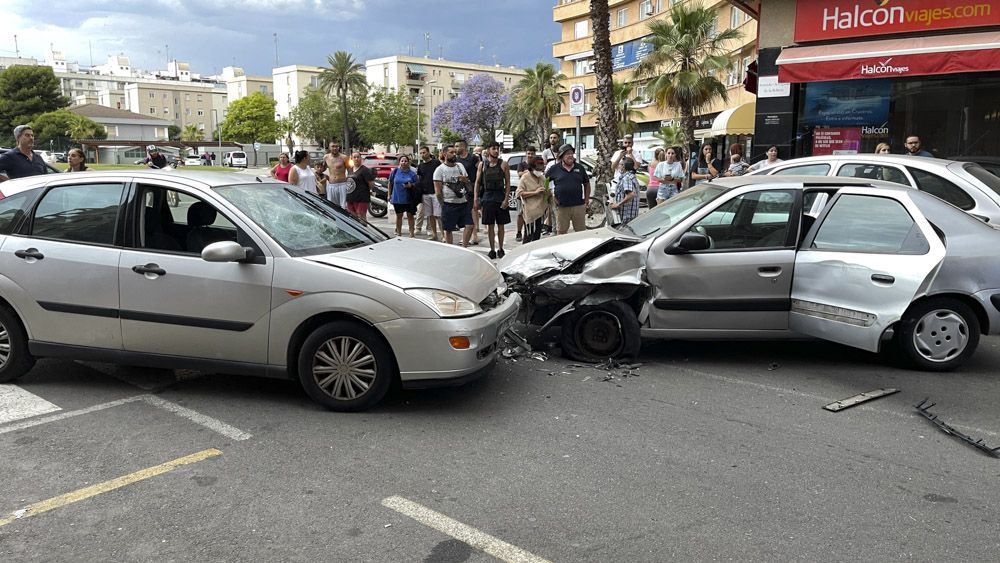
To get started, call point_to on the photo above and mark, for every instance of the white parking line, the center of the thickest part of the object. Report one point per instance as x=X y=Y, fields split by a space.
x=212 y=424
x=479 y=540
x=16 y=403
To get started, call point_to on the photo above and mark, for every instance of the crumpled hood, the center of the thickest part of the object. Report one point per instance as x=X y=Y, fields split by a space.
x=559 y=252
x=411 y=264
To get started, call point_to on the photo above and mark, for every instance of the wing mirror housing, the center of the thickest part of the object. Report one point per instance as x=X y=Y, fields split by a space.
x=690 y=242
x=226 y=251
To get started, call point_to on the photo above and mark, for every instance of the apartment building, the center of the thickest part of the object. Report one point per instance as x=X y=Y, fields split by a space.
x=240 y=85
x=431 y=82
x=290 y=84
x=182 y=103
x=727 y=122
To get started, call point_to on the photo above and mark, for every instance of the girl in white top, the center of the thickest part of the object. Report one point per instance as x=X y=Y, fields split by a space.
x=772 y=159
x=668 y=172
x=301 y=174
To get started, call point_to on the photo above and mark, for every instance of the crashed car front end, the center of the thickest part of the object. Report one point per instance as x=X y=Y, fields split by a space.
x=587 y=268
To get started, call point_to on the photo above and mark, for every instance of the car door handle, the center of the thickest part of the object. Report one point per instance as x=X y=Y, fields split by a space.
x=29 y=253
x=883 y=278
x=149 y=269
x=769 y=271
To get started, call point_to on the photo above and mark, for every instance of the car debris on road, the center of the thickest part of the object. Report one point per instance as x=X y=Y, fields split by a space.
x=924 y=409
x=849 y=402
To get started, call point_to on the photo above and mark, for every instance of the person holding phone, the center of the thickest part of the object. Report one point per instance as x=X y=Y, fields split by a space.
x=402 y=186
x=669 y=173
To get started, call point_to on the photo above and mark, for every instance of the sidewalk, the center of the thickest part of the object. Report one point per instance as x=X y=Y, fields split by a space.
x=387 y=225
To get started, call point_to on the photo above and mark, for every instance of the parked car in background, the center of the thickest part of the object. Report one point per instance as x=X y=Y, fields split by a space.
x=965 y=185
x=235 y=159
x=60 y=157
x=860 y=262
x=382 y=164
x=990 y=163
x=193 y=161
x=257 y=278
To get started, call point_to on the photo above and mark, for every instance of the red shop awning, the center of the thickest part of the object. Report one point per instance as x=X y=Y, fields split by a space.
x=915 y=56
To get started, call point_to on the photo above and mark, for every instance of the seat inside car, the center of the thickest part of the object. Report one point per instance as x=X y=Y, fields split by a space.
x=200 y=217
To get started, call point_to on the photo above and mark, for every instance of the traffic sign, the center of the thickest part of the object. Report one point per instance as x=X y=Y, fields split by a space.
x=477 y=140
x=508 y=141
x=256 y=145
x=577 y=95
x=498 y=135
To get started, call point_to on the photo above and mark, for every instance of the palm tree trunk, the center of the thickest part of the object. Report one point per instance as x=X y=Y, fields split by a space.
x=687 y=127
x=345 y=142
x=607 y=127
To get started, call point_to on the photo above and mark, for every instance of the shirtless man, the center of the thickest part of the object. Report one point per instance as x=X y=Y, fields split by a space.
x=336 y=170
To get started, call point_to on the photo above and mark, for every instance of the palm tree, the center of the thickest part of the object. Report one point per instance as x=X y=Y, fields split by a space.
x=538 y=94
x=624 y=114
x=671 y=136
x=191 y=132
x=342 y=77
x=607 y=125
x=687 y=56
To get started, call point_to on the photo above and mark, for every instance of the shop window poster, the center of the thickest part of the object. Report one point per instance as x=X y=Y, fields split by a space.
x=836 y=140
x=847 y=103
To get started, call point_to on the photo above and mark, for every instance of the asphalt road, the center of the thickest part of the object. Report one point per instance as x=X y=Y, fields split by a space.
x=713 y=451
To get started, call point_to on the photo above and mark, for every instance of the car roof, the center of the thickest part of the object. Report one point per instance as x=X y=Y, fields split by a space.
x=734 y=182
x=898 y=159
x=191 y=178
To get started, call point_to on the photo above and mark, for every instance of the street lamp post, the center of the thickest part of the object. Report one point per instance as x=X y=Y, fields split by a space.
x=218 y=131
x=420 y=99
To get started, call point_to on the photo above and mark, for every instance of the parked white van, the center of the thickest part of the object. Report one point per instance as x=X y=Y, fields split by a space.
x=236 y=159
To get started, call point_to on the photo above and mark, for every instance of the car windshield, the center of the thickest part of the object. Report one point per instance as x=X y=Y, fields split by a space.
x=673 y=211
x=302 y=223
x=981 y=174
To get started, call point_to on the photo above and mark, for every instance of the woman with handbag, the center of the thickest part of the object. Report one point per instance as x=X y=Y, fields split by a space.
x=403 y=188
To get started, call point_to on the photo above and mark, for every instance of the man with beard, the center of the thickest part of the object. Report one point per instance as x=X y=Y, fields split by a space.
x=470 y=162
x=336 y=170
x=492 y=194
x=22 y=161
x=451 y=187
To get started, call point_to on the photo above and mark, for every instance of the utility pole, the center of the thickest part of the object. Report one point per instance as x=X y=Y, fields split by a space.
x=276 y=50
x=427 y=45
x=17 y=52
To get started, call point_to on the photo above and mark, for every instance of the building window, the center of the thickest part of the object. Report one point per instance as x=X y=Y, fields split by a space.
x=152 y=111
x=199 y=97
x=734 y=17
x=187 y=112
x=641 y=94
x=164 y=95
x=79 y=83
x=263 y=88
x=152 y=95
x=583 y=66
x=201 y=112
x=714 y=29
x=201 y=126
x=166 y=110
x=176 y=100
x=623 y=17
x=746 y=66
x=645 y=9
x=580 y=29
x=187 y=97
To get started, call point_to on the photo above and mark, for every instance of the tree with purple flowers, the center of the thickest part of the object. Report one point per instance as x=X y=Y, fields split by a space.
x=478 y=109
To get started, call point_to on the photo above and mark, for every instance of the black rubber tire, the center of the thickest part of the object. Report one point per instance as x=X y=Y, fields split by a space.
x=910 y=324
x=19 y=361
x=384 y=370
x=378 y=211
x=596 y=214
x=598 y=332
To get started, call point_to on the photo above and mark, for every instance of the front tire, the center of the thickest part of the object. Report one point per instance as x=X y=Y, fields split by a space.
x=377 y=211
x=15 y=360
x=596 y=213
x=938 y=334
x=596 y=333
x=345 y=366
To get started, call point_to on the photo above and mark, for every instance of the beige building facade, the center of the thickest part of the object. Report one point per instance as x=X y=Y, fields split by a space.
x=431 y=82
x=183 y=103
x=290 y=84
x=629 y=24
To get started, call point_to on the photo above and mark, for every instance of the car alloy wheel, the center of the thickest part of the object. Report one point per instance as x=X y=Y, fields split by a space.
x=15 y=360
x=940 y=335
x=344 y=368
x=4 y=346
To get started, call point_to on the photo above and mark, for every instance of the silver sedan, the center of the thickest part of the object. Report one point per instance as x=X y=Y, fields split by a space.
x=857 y=262
x=235 y=274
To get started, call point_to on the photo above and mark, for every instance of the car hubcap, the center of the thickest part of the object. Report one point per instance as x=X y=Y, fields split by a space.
x=941 y=335
x=4 y=346
x=600 y=334
x=344 y=368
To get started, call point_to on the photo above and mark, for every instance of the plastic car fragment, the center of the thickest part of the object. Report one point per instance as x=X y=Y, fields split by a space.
x=849 y=402
x=924 y=409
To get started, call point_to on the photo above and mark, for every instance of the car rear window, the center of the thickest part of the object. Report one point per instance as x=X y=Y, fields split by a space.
x=386 y=161
x=805 y=170
x=239 y=155
x=983 y=175
x=941 y=188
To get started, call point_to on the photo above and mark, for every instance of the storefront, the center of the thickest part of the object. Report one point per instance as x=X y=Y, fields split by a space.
x=862 y=73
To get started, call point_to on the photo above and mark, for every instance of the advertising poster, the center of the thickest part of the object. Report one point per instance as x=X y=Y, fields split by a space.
x=847 y=103
x=836 y=140
x=627 y=55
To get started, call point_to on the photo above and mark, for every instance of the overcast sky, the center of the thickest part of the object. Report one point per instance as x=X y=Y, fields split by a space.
x=213 y=34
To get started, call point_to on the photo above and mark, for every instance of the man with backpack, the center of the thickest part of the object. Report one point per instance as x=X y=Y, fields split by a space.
x=451 y=186
x=493 y=177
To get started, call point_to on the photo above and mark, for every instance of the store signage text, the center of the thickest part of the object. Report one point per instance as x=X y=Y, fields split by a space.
x=856 y=18
x=883 y=68
x=630 y=54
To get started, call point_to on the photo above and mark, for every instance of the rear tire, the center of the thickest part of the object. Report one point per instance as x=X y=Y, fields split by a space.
x=596 y=333
x=345 y=366
x=938 y=334
x=378 y=211
x=597 y=214
x=15 y=360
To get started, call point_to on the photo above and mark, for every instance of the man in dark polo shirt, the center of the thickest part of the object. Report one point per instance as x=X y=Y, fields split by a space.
x=22 y=161
x=572 y=190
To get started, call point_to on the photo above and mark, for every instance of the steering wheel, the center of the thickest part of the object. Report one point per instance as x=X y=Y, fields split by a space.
x=700 y=229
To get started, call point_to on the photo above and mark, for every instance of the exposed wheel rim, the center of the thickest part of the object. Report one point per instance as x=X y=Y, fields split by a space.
x=4 y=346
x=940 y=335
x=596 y=215
x=599 y=334
x=344 y=368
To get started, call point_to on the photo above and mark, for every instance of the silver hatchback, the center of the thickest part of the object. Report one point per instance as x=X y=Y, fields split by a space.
x=235 y=274
x=857 y=262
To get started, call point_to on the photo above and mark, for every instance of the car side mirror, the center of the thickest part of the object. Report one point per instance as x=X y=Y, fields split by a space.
x=226 y=251
x=690 y=242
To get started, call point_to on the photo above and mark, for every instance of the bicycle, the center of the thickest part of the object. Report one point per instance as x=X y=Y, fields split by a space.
x=599 y=213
